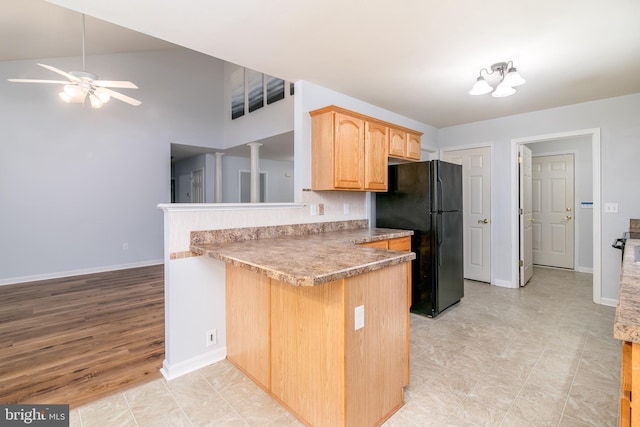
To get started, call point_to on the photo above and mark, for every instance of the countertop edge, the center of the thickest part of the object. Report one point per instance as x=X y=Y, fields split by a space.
x=627 y=319
x=392 y=257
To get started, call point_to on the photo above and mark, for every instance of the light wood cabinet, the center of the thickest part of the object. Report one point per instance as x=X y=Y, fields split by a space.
x=350 y=151
x=301 y=344
x=399 y=244
x=404 y=144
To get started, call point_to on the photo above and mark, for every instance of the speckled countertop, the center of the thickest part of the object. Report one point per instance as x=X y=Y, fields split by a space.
x=310 y=259
x=627 y=321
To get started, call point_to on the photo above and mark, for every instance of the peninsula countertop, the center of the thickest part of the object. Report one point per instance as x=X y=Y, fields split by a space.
x=627 y=320
x=311 y=259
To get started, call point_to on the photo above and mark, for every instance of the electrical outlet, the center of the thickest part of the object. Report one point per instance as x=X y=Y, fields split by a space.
x=321 y=209
x=212 y=337
x=346 y=208
x=359 y=317
x=314 y=210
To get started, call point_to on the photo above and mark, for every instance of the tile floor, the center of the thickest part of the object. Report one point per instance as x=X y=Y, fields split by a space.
x=543 y=355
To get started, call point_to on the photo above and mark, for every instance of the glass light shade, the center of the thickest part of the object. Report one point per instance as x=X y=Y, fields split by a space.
x=95 y=101
x=503 y=90
x=65 y=97
x=480 y=87
x=71 y=90
x=513 y=78
x=102 y=96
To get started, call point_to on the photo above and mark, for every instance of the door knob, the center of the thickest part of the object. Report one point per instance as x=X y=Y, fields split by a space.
x=483 y=221
x=568 y=209
x=568 y=217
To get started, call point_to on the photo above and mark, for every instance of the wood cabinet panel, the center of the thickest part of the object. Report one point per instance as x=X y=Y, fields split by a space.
x=413 y=146
x=248 y=320
x=349 y=157
x=375 y=156
x=400 y=244
x=397 y=143
x=376 y=356
x=380 y=244
x=307 y=350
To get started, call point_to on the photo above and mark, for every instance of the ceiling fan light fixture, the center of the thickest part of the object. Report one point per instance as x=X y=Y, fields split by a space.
x=65 y=97
x=95 y=101
x=102 y=95
x=71 y=90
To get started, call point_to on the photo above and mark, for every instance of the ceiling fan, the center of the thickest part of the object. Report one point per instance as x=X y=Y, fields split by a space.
x=81 y=85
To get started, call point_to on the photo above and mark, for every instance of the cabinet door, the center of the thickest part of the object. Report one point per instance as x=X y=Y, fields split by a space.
x=375 y=156
x=349 y=152
x=397 y=143
x=413 y=146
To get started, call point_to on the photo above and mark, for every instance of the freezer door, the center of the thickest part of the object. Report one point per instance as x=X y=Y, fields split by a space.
x=406 y=204
x=449 y=264
x=447 y=194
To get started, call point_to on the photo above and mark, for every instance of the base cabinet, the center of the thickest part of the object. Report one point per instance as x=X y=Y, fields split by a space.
x=303 y=346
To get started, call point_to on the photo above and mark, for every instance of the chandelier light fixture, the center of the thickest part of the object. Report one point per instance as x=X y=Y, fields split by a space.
x=509 y=78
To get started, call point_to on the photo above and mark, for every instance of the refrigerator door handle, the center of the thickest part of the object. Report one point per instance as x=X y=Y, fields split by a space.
x=439 y=230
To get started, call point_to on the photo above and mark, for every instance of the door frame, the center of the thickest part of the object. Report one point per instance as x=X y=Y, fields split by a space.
x=492 y=199
x=597 y=215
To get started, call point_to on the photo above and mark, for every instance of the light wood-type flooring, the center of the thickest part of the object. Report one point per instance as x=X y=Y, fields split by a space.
x=76 y=339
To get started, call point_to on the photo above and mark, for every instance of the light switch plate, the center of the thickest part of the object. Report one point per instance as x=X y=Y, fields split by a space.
x=359 y=317
x=611 y=208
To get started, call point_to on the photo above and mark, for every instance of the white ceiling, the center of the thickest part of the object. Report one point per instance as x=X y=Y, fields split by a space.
x=418 y=58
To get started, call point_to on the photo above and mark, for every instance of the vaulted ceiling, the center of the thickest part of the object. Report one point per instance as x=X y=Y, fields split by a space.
x=418 y=58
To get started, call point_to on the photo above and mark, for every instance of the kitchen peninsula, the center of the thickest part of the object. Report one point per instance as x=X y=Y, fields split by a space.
x=317 y=318
x=627 y=328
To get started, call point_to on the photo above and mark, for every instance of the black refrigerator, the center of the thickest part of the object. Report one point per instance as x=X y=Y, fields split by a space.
x=426 y=197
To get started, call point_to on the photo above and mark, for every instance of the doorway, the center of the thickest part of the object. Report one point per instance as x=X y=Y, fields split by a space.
x=590 y=139
x=244 y=190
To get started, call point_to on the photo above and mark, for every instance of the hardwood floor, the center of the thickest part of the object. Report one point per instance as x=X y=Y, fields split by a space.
x=75 y=339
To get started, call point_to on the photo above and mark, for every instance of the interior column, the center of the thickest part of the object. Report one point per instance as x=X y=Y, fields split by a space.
x=255 y=171
x=218 y=188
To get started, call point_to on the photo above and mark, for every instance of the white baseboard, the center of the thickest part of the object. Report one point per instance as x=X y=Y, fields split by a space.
x=609 y=302
x=171 y=372
x=504 y=284
x=584 y=270
x=15 y=280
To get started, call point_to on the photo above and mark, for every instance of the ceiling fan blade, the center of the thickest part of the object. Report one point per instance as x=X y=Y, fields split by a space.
x=115 y=83
x=62 y=73
x=121 y=97
x=38 y=81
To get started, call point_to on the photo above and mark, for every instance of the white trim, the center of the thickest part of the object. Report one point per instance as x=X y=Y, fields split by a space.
x=23 y=279
x=171 y=372
x=597 y=217
x=192 y=207
x=609 y=302
x=584 y=270
x=506 y=284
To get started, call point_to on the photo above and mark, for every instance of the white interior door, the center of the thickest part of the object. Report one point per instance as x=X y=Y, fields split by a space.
x=476 y=176
x=526 y=214
x=197 y=186
x=553 y=216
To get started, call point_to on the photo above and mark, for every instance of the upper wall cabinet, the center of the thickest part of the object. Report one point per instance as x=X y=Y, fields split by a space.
x=350 y=151
x=404 y=144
